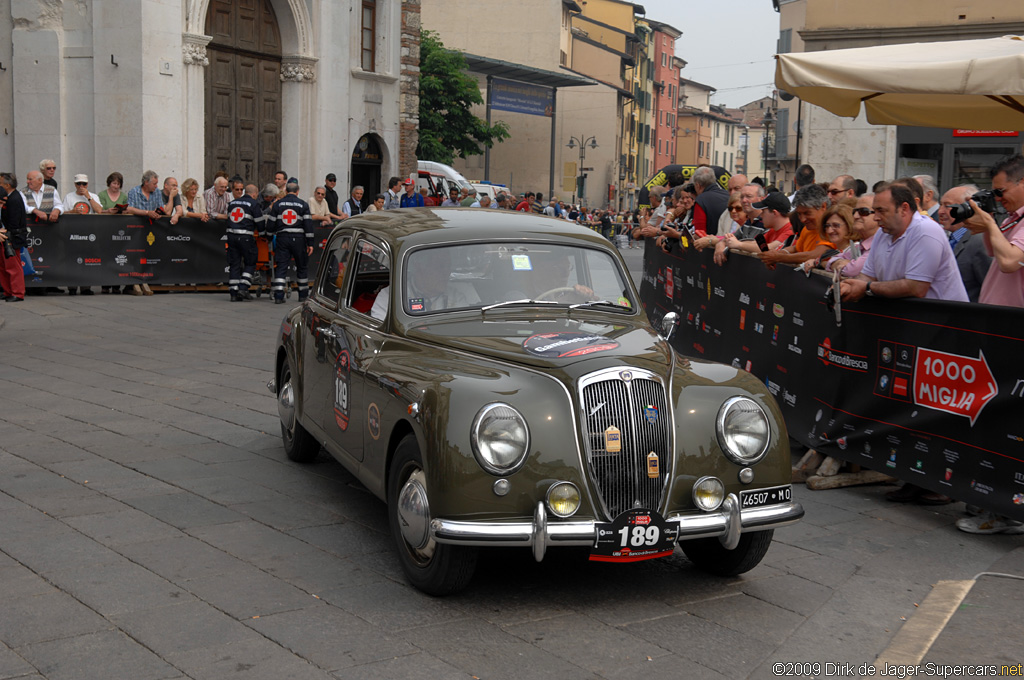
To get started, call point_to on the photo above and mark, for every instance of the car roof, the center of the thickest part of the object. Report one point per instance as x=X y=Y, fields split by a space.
x=408 y=227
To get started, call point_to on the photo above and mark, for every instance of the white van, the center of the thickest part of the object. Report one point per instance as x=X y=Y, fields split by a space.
x=448 y=172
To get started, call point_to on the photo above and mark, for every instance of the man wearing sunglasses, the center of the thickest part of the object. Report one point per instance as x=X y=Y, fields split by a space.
x=49 y=168
x=1004 y=283
x=844 y=186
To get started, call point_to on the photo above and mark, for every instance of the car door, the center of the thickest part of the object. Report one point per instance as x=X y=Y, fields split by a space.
x=360 y=337
x=324 y=352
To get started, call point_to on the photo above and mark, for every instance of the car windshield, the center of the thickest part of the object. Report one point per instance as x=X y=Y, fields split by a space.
x=496 y=274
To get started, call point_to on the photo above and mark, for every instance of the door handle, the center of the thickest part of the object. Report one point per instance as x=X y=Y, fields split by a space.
x=328 y=333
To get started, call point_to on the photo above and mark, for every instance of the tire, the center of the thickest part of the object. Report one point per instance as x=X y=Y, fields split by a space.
x=708 y=554
x=299 y=444
x=436 y=568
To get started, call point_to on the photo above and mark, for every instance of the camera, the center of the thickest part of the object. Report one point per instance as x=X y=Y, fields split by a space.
x=985 y=199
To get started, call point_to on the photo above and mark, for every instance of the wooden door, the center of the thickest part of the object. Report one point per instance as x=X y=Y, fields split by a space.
x=243 y=91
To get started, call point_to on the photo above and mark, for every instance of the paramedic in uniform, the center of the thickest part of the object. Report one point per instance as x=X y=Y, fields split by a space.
x=288 y=219
x=244 y=218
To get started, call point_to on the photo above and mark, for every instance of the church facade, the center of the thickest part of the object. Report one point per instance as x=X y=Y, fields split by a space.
x=191 y=87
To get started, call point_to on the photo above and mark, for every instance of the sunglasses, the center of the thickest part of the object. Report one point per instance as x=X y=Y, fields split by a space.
x=51 y=167
x=81 y=184
x=864 y=212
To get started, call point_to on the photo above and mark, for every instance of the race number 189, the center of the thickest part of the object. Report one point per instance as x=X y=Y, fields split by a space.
x=637 y=536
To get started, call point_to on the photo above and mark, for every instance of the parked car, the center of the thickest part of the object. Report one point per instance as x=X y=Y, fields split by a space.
x=493 y=379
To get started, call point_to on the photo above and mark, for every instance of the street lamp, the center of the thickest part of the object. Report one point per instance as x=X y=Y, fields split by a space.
x=769 y=119
x=581 y=142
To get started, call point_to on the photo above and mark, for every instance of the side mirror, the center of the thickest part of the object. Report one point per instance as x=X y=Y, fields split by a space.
x=668 y=325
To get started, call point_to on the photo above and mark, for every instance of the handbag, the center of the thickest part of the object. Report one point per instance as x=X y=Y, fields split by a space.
x=26 y=263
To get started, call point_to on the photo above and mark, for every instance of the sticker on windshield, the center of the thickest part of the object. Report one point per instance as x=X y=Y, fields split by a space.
x=416 y=305
x=567 y=344
x=624 y=302
x=521 y=263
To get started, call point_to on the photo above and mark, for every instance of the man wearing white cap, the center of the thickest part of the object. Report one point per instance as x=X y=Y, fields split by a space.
x=82 y=201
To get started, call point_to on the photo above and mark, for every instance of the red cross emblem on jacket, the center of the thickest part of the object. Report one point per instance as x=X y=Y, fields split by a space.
x=237 y=215
x=289 y=217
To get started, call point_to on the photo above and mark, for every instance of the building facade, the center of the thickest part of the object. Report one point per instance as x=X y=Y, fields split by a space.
x=835 y=145
x=191 y=87
x=666 y=94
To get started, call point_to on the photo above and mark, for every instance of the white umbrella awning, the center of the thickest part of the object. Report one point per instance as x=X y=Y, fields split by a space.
x=974 y=84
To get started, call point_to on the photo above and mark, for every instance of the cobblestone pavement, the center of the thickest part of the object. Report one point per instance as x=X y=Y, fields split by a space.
x=152 y=528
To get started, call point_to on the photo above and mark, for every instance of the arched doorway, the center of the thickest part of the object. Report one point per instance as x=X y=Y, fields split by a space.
x=243 y=90
x=367 y=160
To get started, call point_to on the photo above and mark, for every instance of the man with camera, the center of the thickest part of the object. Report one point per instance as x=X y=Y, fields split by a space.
x=910 y=258
x=968 y=248
x=1004 y=283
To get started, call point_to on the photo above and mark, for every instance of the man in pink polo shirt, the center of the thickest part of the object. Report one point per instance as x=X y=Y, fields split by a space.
x=1004 y=283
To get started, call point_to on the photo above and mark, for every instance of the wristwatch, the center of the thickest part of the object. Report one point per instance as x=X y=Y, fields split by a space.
x=868 y=291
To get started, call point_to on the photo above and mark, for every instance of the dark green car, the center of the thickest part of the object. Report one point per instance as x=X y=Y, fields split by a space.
x=491 y=376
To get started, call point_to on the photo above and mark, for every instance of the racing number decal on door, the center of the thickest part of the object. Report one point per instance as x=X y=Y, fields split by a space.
x=342 y=382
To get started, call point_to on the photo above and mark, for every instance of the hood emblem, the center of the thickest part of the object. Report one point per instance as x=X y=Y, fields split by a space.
x=626 y=375
x=596 y=409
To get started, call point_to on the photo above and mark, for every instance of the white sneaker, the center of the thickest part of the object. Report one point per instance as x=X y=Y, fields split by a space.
x=990 y=523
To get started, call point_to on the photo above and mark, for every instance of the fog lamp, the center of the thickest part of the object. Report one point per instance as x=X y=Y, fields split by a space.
x=563 y=499
x=708 y=493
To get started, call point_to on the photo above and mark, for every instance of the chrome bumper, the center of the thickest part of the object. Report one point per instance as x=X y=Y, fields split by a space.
x=727 y=523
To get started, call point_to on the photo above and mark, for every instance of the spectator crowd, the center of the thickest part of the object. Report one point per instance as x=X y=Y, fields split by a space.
x=901 y=239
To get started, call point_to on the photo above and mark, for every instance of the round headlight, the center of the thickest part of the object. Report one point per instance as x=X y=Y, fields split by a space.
x=500 y=438
x=563 y=499
x=743 y=430
x=708 y=493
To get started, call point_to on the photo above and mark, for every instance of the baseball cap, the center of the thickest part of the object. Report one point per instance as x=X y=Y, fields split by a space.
x=407 y=181
x=81 y=178
x=330 y=177
x=776 y=201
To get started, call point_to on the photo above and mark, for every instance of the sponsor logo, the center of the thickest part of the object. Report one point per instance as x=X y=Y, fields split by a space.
x=373 y=420
x=949 y=474
x=120 y=236
x=841 y=442
x=854 y=362
x=121 y=260
x=778 y=310
x=789 y=398
x=651 y=414
x=793 y=347
x=984 y=489
x=82 y=237
x=899 y=386
x=758 y=327
x=886 y=355
x=179 y=260
x=567 y=344
x=180 y=237
x=744 y=298
x=1018 y=499
x=149 y=261
x=891 y=463
x=773 y=387
x=341 y=389
x=90 y=260
x=797 y=321
x=719 y=291
x=775 y=333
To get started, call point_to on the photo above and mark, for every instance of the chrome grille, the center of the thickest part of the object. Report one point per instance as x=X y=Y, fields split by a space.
x=621 y=478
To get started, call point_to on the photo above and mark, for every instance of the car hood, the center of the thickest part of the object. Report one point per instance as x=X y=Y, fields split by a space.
x=551 y=341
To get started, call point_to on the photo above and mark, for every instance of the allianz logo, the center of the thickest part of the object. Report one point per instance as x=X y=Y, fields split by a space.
x=179 y=238
x=82 y=237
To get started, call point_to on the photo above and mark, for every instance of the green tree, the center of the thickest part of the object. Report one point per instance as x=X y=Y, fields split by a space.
x=447 y=127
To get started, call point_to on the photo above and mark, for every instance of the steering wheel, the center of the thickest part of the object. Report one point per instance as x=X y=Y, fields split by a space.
x=560 y=292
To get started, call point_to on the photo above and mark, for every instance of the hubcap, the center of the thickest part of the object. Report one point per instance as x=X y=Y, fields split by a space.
x=286 y=405
x=414 y=514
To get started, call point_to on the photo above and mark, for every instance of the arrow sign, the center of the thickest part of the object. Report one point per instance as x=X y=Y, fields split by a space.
x=953 y=383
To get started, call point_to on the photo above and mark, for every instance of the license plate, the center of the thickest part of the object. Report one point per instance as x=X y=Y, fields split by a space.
x=634 y=535
x=755 y=498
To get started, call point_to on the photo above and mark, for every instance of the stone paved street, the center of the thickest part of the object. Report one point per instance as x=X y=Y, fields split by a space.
x=152 y=528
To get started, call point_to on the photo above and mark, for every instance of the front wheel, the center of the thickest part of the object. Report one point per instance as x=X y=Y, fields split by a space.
x=299 y=444
x=434 y=568
x=708 y=554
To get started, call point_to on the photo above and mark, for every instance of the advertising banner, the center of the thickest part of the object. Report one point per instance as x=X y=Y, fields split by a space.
x=927 y=391
x=510 y=95
x=109 y=250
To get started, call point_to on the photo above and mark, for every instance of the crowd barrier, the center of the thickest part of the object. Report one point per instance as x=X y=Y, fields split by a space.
x=105 y=250
x=927 y=391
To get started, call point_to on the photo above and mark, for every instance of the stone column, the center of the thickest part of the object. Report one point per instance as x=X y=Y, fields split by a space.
x=298 y=122
x=193 y=53
x=409 y=88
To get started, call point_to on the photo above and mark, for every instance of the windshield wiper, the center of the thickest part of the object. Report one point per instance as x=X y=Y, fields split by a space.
x=592 y=303
x=524 y=301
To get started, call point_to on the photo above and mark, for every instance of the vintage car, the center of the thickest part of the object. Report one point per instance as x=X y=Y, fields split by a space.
x=492 y=377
